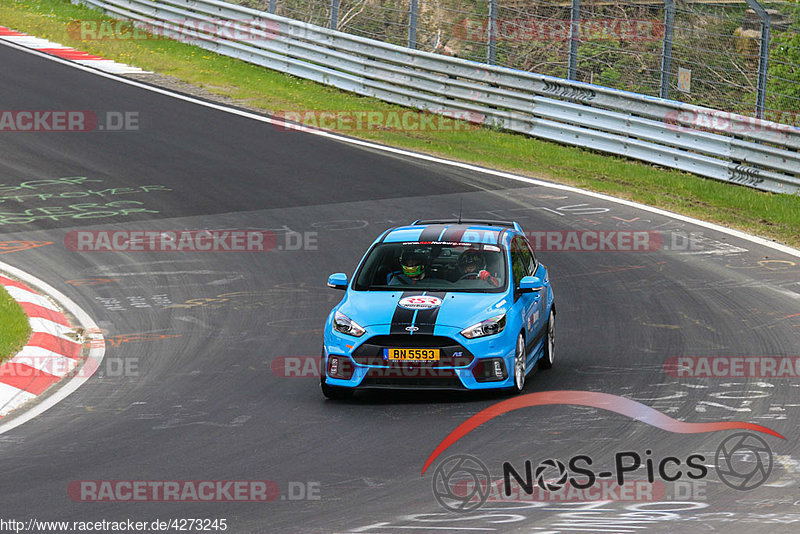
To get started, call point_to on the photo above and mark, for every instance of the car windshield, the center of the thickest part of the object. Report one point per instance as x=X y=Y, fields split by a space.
x=469 y=267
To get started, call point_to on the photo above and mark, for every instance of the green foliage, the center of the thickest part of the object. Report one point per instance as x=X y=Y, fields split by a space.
x=784 y=72
x=14 y=327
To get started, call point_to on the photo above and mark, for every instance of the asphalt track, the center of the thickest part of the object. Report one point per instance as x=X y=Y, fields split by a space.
x=202 y=402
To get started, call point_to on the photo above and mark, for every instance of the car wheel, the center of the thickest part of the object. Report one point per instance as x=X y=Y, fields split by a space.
x=520 y=366
x=332 y=392
x=546 y=361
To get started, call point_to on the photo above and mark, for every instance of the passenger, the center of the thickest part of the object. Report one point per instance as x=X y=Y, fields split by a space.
x=472 y=266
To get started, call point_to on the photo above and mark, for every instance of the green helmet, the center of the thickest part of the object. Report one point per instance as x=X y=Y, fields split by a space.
x=413 y=263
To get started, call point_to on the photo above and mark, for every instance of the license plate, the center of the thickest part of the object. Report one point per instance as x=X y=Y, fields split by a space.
x=423 y=355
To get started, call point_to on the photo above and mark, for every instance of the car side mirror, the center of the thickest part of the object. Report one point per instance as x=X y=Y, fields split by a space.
x=530 y=284
x=337 y=281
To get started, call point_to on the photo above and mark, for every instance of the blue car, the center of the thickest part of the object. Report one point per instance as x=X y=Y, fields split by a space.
x=441 y=304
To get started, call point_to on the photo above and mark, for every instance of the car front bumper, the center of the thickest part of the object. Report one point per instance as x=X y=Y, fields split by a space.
x=456 y=369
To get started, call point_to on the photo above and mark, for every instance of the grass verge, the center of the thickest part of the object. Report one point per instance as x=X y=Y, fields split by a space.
x=766 y=214
x=15 y=330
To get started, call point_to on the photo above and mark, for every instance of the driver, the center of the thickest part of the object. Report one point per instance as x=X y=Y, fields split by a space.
x=472 y=265
x=413 y=266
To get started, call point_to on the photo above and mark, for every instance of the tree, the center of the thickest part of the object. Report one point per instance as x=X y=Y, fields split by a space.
x=784 y=68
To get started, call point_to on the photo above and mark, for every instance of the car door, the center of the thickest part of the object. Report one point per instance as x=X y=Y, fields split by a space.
x=522 y=264
x=538 y=318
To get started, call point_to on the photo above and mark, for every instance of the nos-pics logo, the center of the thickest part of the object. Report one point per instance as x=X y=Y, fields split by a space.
x=462 y=483
x=448 y=483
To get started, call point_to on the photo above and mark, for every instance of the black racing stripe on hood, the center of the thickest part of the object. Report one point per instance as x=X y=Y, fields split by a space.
x=455 y=233
x=432 y=232
x=403 y=316
x=426 y=319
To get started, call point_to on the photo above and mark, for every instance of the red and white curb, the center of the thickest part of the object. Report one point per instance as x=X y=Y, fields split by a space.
x=54 y=352
x=65 y=52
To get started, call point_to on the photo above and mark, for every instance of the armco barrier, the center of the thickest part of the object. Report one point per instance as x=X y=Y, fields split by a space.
x=707 y=142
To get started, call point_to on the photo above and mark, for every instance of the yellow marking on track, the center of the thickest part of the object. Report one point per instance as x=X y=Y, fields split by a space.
x=783 y=264
x=16 y=246
x=136 y=338
x=697 y=322
x=668 y=326
x=91 y=281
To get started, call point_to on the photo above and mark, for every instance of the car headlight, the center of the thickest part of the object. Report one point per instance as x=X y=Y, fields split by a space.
x=345 y=325
x=488 y=327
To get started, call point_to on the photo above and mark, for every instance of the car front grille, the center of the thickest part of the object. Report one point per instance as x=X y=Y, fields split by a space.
x=452 y=354
x=432 y=379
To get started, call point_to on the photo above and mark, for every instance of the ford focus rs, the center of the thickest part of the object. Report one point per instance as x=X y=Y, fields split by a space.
x=459 y=305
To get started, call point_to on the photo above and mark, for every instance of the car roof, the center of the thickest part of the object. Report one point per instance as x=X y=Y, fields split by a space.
x=487 y=232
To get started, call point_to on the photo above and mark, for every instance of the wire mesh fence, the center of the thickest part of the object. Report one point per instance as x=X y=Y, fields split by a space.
x=714 y=47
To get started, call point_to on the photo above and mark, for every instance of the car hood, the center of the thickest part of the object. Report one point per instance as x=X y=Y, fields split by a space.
x=458 y=310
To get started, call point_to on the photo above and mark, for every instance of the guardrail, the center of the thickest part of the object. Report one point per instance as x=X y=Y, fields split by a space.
x=715 y=144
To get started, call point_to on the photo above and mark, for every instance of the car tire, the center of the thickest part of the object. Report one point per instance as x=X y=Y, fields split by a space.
x=547 y=359
x=332 y=392
x=520 y=366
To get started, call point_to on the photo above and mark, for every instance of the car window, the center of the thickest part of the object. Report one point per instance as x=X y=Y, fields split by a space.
x=528 y=258
x=444 y=266
x=519 y=263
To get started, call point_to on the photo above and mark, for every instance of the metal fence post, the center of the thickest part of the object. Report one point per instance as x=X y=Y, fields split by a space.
x=763 y=56
x=763 y=67
x=574 y=34
x=272 y=6
x=491 y=49
x=334 y=15
x=412 y=25
x=666 y=50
